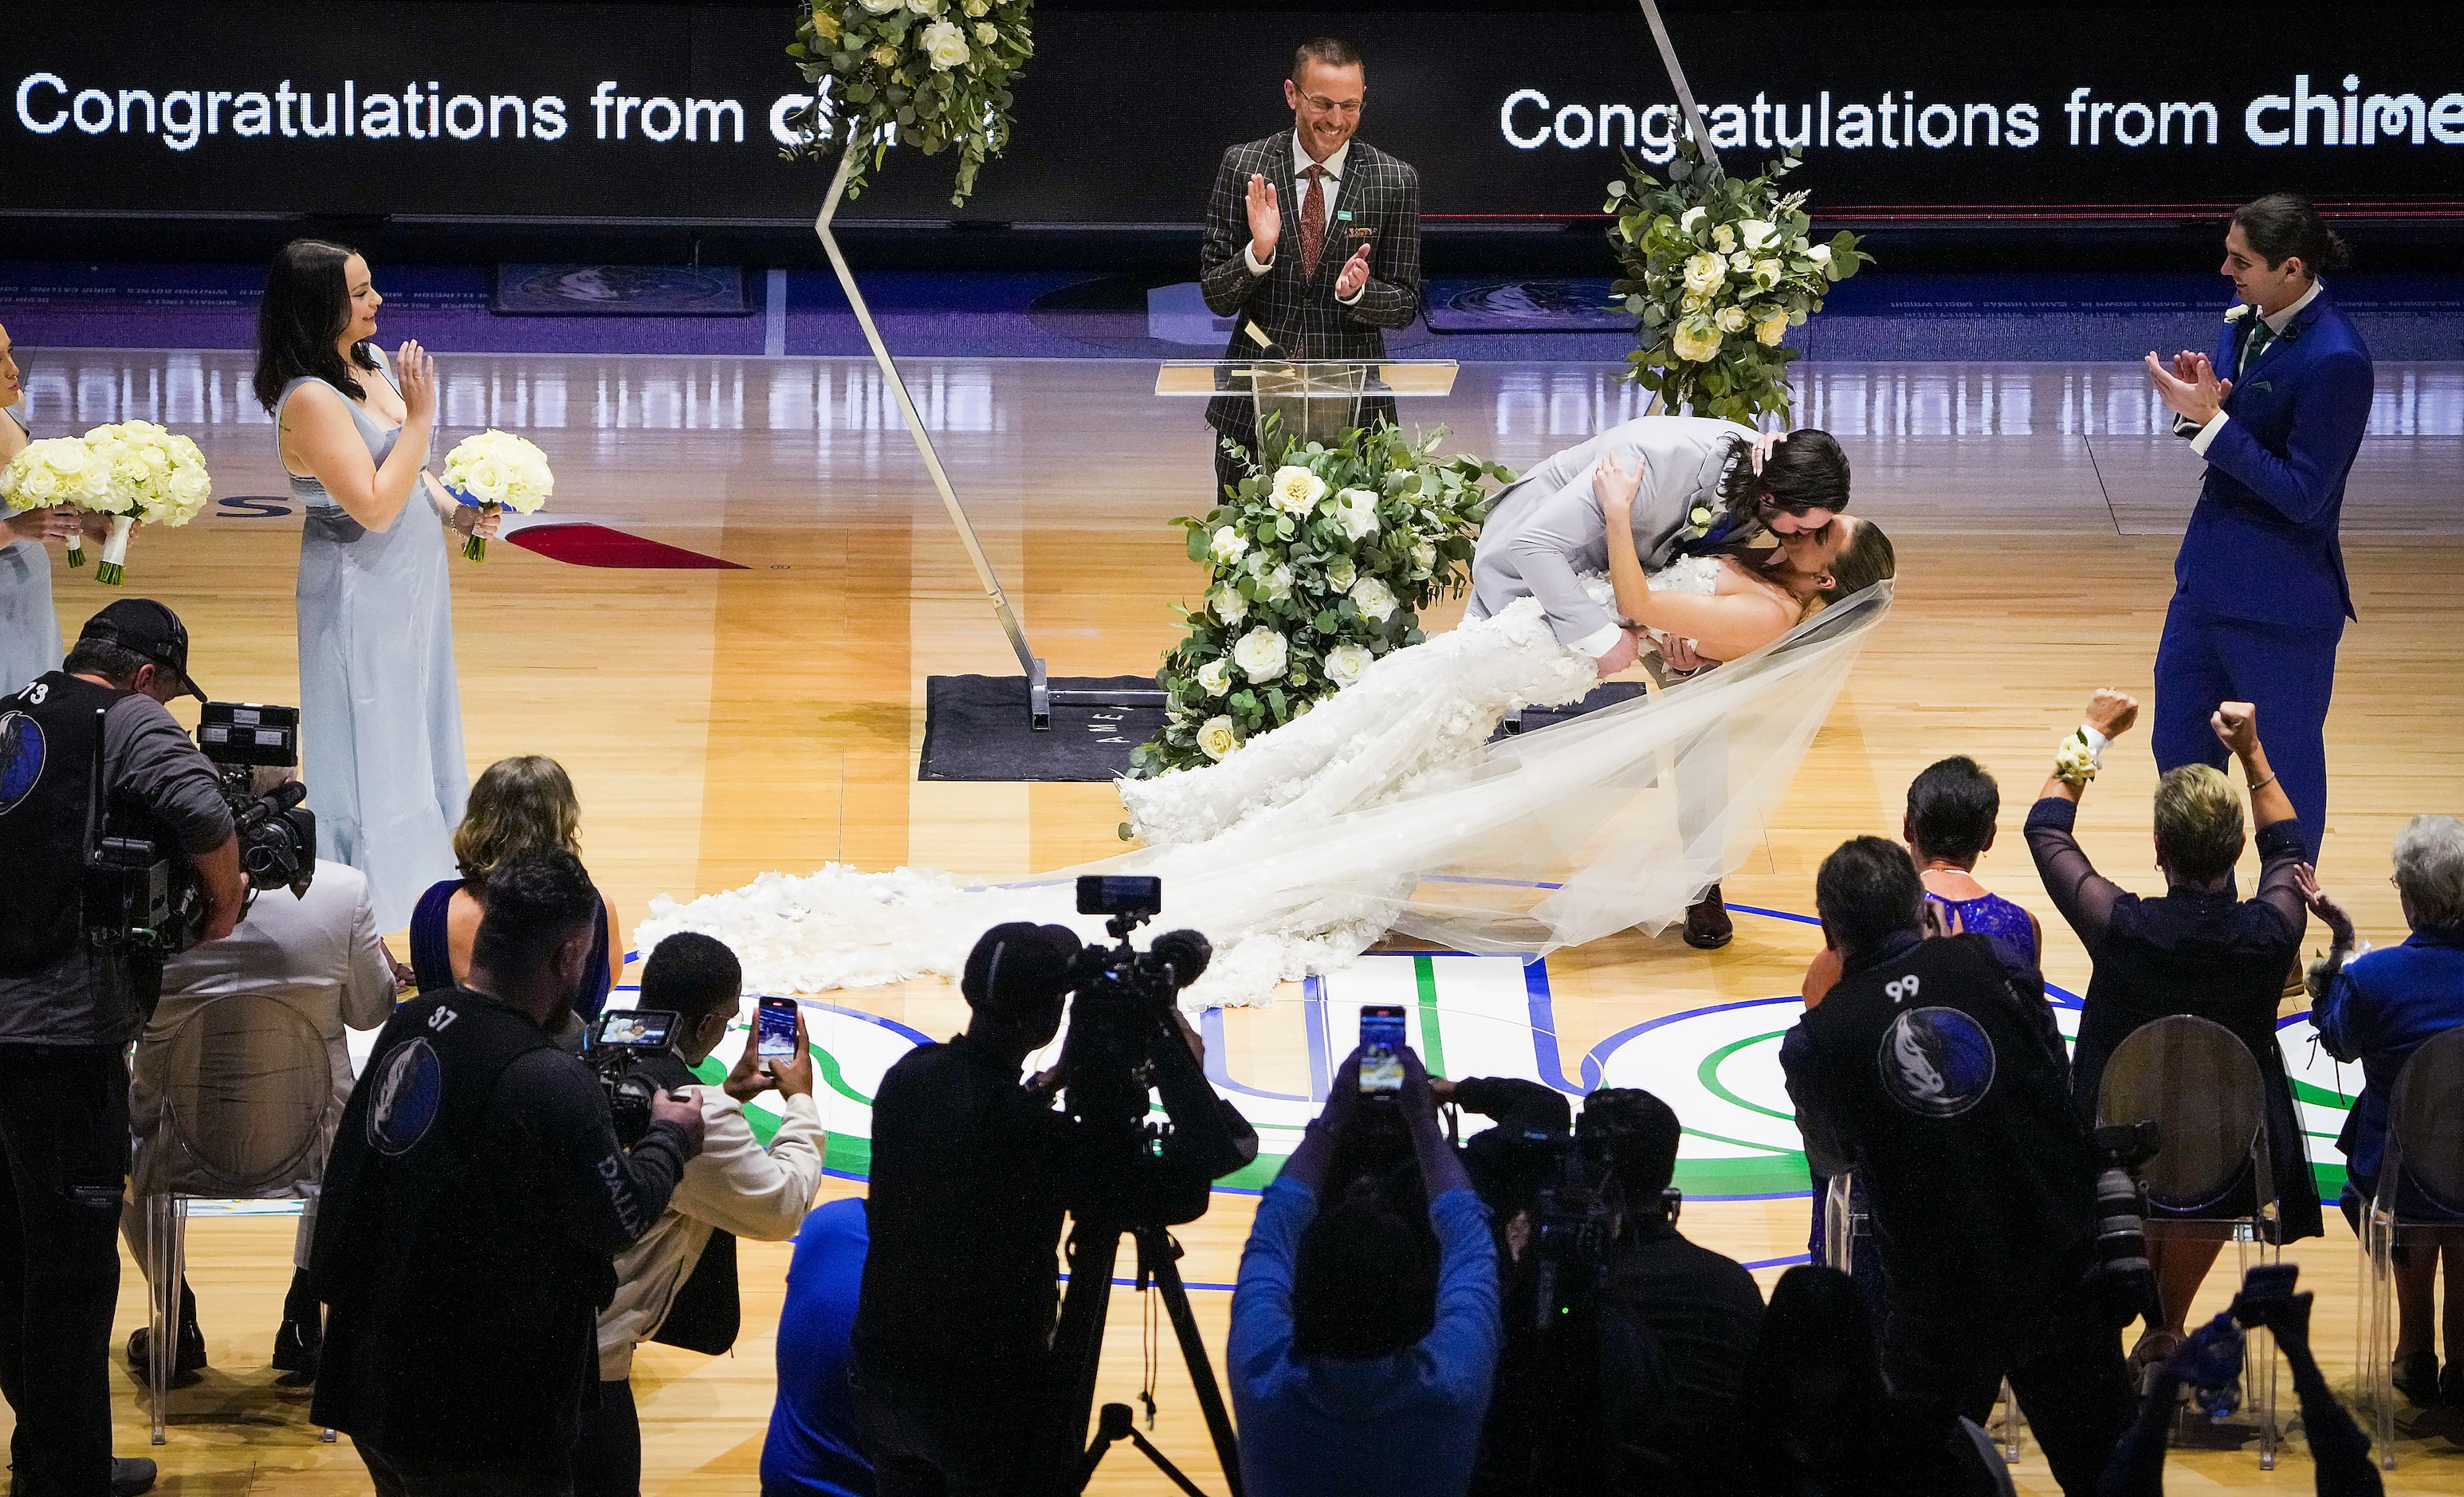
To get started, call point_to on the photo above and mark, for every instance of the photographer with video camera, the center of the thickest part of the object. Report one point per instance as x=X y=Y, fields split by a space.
x=958 y=1369
x=476 y=1201
x=92 y=768
x=1941 y=1079
x=678 y=1284
x=1362 y=1352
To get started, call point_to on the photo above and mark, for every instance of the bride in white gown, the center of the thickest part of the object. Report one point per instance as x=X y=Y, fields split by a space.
x=1387 y=808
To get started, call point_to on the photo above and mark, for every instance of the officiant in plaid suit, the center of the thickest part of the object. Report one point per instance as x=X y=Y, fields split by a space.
x=1312 y=235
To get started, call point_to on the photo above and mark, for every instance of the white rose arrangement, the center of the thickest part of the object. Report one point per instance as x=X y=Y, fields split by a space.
x=497 y=471
x=1318 y=565
x=937 y=74
x=151 y=476
x=56 y=471
x=1711 y=259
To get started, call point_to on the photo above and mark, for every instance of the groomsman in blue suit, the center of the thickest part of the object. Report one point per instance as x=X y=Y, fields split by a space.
x=2259 y=599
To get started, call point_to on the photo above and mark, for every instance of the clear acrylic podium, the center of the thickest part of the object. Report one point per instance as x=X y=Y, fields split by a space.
x=1316 y=400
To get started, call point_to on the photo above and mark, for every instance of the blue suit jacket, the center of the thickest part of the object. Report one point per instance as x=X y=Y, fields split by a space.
x=2262 y=541
x=2378 y=1011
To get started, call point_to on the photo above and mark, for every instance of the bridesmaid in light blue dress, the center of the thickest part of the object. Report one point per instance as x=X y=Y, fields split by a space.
x=29 y=626
x=381 y=715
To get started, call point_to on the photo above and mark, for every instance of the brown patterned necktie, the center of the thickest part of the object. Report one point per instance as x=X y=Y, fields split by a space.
x=1313 y=223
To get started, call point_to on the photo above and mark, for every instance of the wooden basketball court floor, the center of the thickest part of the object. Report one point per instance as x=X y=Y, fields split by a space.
x=720 y=724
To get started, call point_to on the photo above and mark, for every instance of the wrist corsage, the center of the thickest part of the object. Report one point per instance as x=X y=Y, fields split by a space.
x=2075 y=760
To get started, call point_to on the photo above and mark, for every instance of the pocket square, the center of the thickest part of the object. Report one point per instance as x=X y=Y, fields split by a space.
x=2262 y=386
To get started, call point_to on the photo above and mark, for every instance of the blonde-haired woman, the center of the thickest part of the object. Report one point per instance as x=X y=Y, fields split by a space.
x=520 y=806
x=2196 y=949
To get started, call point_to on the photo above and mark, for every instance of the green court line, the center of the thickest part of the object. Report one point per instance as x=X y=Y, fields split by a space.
x=1433 y=1048
x=1709 y=1074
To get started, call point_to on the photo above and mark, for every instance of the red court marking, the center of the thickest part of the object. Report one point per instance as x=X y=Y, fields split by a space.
x=584 y=544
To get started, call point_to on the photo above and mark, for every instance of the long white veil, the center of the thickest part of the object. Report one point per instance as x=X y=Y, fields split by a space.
x=1616 y=819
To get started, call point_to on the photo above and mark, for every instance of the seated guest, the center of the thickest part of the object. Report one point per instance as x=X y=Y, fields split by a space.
x=685 y=1265
x=1817 y=1418
x=1360 y=1363
x=2377 y=1009
x=520 y=805
x=2197 y=949
x=1955 y=1111
x=813 y=1449
x=317 y=955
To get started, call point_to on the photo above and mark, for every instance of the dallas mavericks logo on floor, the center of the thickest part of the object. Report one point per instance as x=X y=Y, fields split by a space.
x=21 y=758
x=1936 y=1062
x=407 y=1094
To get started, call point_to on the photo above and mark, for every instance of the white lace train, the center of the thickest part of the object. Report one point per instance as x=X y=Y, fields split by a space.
x=1383 y=808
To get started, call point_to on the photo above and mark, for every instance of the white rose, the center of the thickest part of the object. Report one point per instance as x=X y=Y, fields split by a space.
x=1344 y=664
x=1771 y=329
x=487 y=480
x=882 y=7
x=1228 y=605
x=1696 y=341
x=37 y=485
x=1215 y=676
x=62 y=454
x=1424 y=558
x=1820 y=254
x=1730 y=320
x=1261 y=654
x=1741 y=263
x=1279 y=584
x=1704 y=273
x=1757 y=234
x=1373 y=599
x=1692 y=219
x=1356 y=511
x=1724 y=236
x=1342 y=574
x=1228 y=546
x=945 y=45
x=925 y=6
x=1768 y=271
x=977 y=7
x=987 y=32
x=1295 y=490
x=1217 y=736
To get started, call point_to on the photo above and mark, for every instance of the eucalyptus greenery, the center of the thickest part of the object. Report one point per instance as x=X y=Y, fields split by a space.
x=1718 y=268
x=931 y=74
x=1318 y=563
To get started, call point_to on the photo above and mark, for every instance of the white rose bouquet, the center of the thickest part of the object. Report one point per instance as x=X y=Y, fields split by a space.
x=153 y=476
x=56 y=471
x=1717 y=271
x=496 y=470
x=935 y=74
x=1318 y=565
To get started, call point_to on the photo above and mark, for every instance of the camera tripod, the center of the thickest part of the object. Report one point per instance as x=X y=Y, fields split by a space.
x=1078 y=1347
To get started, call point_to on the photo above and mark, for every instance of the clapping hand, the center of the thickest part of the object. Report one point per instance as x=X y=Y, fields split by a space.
x=1266 y=218
x=1353 y=275
x=2339 y=923
x=417 y=373
x=2190 y=388
x=2111 y=712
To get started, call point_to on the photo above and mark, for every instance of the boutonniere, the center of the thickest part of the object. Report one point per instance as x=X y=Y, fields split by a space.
x=2236 y=312
x=1699 y=521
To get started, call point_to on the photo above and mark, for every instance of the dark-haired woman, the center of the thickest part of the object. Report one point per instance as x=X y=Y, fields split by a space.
x=29 y=626
x=2278 y=413
x=381 y=715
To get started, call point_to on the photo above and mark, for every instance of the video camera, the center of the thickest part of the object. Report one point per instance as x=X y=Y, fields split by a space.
x=140 y=898
x=1126 y=1000
x=620 y=1042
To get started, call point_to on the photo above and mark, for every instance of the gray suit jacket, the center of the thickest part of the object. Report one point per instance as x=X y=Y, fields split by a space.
x=1545 y=529
x=1381 y=195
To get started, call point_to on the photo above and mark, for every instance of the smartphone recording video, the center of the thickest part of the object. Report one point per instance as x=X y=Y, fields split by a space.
x=1381 y=1049
x=775 y=1029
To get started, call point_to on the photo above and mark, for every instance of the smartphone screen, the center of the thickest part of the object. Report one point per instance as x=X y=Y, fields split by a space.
x=1381 y=1049
x=775 y=1028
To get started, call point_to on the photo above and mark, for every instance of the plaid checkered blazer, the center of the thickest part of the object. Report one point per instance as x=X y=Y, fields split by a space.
x=1384 y=197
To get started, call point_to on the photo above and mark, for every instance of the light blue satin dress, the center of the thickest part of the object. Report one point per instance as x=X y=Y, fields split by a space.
x=29 y=626
x=380 y=710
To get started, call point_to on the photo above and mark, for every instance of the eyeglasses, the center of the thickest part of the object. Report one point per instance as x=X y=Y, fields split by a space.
x=1349 y=107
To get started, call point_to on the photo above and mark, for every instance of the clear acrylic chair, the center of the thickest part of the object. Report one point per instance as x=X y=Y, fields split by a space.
x=1841 y=1225
x=240 y=1101
x=2420 y=1188
x=2203 y=1091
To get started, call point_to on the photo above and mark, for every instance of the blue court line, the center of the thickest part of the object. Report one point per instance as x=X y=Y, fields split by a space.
x=1221 y=1288
x=1770 y=1263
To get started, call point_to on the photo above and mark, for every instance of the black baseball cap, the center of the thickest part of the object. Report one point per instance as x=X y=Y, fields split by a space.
x=1019 y=968
x=151 y=630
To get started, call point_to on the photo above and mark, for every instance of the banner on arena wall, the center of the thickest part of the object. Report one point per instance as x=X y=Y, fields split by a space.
x=669 y=112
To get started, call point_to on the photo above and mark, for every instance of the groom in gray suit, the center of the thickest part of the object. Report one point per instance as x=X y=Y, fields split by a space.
x=1708 y=485
x=1544 y=530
